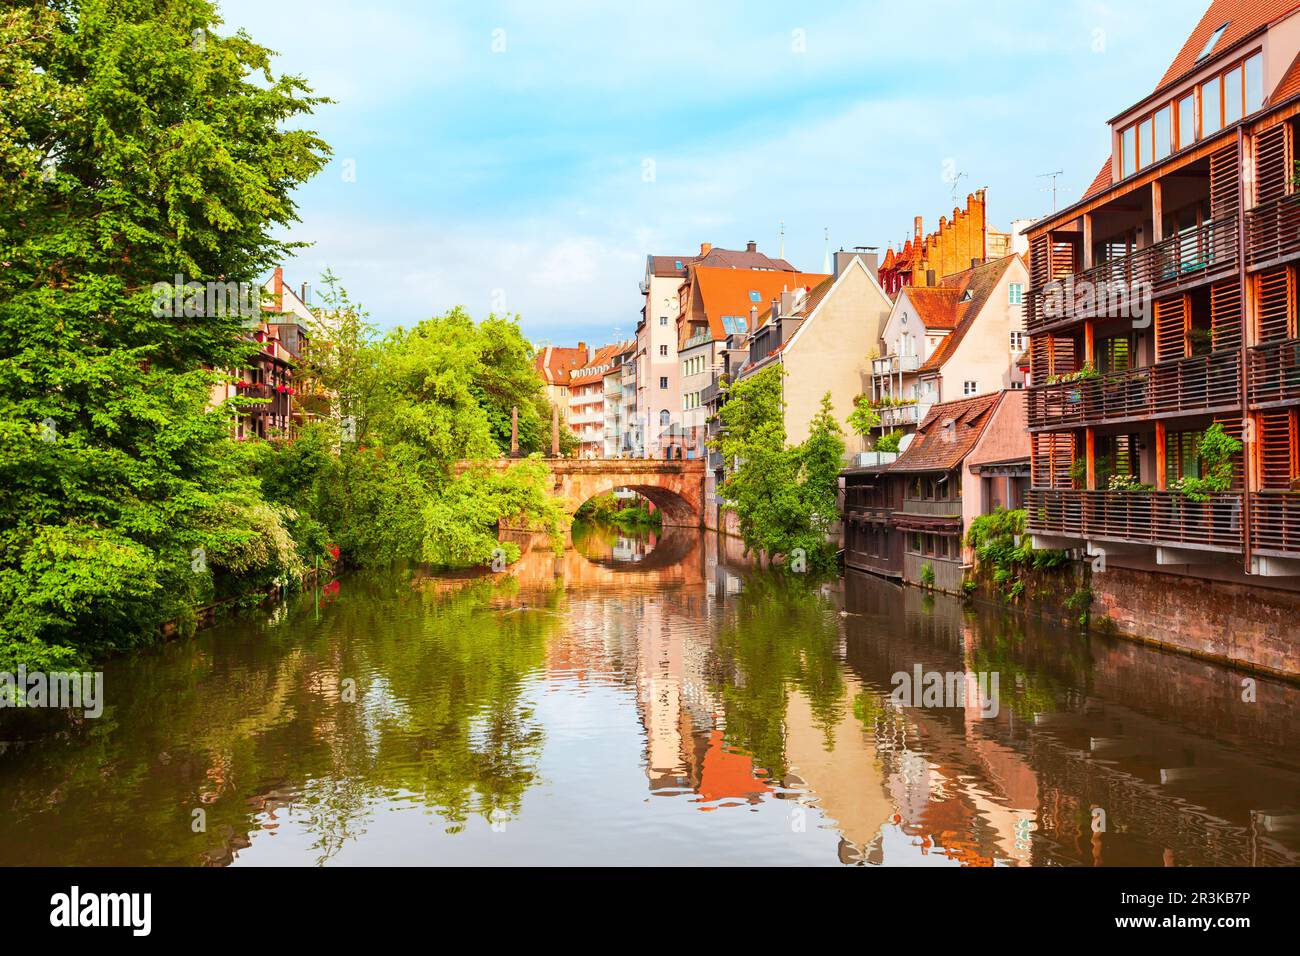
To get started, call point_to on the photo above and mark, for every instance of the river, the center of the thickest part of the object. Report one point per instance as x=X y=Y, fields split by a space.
x=652 y=699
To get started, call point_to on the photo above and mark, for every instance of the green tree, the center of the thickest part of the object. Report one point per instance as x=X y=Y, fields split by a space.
x=136 y=144
x=864 y=417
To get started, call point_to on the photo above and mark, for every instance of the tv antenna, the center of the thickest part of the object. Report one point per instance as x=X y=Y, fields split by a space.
x=1052 y=175
x=954 y=181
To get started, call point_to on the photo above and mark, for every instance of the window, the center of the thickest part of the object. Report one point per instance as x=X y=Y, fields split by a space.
x=1232 y=96
x=1162 y=135
x=1144 y=143
x=1211 y=107
x=1017 y=342
x=663 y=383
x=1187 y=120
x=1016 y=386
x=1210 y=43
x=663 y=350
x=754 y=296
x=1127 y=151
x=663 y=320
x=970 y=388
x=1254 y=83
x=1016 y=293
x=734 y=323
x=663 y=415
x=679 y=264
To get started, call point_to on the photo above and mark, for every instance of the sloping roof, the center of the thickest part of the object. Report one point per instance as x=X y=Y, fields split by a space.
x=936 y=306
x=1290 y=84
x=1243 y=17
x=980 y=283
x=667 y=265
x=595 y=370
x=1101 y=181
x=555 y=364
x=727 y=291
x=717 y=258
x=939 y=446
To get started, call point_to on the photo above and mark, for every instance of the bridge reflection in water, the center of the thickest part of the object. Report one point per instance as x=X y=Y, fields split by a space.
x=654 y=699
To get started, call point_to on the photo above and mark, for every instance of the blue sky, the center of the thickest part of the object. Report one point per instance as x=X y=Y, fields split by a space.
x=525 y=157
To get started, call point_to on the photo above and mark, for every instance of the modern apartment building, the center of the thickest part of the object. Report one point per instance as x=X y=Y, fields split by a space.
x=587 y=399
x=964 y=335
x=1163 y=302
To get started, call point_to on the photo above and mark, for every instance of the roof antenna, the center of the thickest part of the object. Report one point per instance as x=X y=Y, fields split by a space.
x=1053 y=176
x=956 y=178
x=826 y=259
x=781 y=255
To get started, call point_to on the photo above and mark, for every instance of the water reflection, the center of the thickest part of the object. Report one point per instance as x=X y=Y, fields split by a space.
x=651 y=699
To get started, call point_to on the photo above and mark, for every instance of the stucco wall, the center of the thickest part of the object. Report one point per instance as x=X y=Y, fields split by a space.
x=830 y=352
x=984 y=354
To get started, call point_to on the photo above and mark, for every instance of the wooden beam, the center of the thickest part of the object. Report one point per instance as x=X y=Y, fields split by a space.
x=1090 y=440
x=1157 y=211
x=1161 y=458
x=1090 y=343
x=1087 y=241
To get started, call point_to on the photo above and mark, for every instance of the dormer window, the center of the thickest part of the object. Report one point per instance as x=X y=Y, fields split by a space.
x=1211 y=42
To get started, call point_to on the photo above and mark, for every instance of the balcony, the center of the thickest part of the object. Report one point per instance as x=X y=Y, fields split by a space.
x=699 y=338
x=1156 y=517
x=893 y=416
x=1273 y=232
x=1126 y=284
x=1196 y=384
x=1275 y=523
x=894 y=364
x=1275 y=373
x=948 y=508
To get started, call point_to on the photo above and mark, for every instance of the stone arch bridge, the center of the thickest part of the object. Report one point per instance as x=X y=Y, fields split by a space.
x=675 y=487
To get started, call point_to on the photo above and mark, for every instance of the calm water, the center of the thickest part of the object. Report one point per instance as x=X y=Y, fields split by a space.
x=644 y=701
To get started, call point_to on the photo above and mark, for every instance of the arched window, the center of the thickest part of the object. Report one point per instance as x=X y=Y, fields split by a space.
x=664 y=418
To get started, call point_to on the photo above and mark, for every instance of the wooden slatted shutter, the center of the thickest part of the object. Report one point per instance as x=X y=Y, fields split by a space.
x=1224 y=173
x=1276 y=433
x=1275 y=296
x=1171 y=328
x=1052 y=458
x=1273 y=163
x=1225 y=315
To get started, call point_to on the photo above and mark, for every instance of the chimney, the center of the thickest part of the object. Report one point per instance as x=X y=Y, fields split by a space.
x=751 y=246
x=929 y=277
x=977 y=261
x=918 y=228
x=705 y=248
x=306 y=294
x=753 y=317
x=277 y=289
x=582 y=346
x=787 y=303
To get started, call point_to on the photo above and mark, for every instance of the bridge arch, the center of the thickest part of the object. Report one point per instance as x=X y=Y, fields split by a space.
x=675 y=487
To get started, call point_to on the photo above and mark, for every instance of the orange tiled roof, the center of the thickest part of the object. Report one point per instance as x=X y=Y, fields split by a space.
x=595 y=370
x=1242 y=17
x=1290 y=84
x=1101 y=182
x=727 y=291
x=555 y=364
x=980 y=283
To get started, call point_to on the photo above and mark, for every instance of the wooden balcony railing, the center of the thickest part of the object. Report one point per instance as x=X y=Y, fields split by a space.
x=1275 y=522
x=865 y=500
x=1273 y=231
x=928 y=506
x=1123 y=286
x=1275 y=372
x=1194 y=384
x=1165 y=518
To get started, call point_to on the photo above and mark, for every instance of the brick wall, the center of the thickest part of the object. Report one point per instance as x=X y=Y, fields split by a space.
x=1249 y=625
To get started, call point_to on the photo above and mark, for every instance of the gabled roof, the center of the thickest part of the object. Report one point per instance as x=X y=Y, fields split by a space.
x=555 y=364
x=728 y=291
x=1101 y=182
x=975 y=285
x=1290 y=84
x=947 y=434
x=668 y=265
x=1242 y=17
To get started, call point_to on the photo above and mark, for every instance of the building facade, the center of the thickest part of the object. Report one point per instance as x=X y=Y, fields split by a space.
x=959 y=243
x=1163 y=303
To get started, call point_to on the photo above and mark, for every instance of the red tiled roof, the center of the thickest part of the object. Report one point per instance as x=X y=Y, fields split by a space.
x=1242 y=17
x=1290 y=84
x=1101 y=182
x=555 y=364
x=593 y=371
x=939 y=446
x=980 y=283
